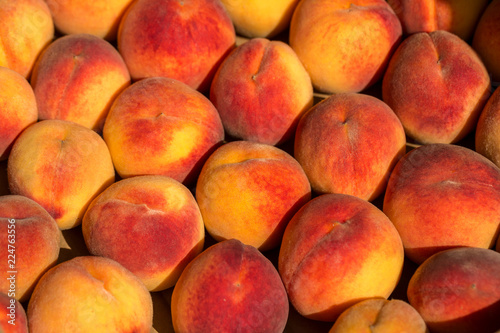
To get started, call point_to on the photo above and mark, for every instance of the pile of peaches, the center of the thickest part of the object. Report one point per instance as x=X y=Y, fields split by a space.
x=249 y=166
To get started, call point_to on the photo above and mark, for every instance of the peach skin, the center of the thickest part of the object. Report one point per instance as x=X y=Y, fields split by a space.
x=13 y=317
x=487 y=137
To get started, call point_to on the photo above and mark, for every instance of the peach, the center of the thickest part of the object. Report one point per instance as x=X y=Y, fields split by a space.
x=335 y=142
x=458 y=290
x=186 y=40
x=162 y=126
x=486 y=40
x=62 y=166
x=99 y=17
x=437 y=86
x=344 y=45
x=456 y=16
x=229 y=287
x=18 y=108
x=261 y=90
x=13 y=317
x=379 y=315
x=77 y=78
x=158 y=215
x=90 y=294
x=249 y=191
x=487 y=136
x=336 y=251
x=29 y=242
x=442 y=196
x=26 y=29
x=260 y=18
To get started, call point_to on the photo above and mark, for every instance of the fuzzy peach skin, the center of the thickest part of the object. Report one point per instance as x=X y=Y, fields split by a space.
x=261 y=90
x=26 y=28
x=229 y=287
x=336 y=251
x=18 y=108
x=260 y=18
x=186 y=40
x=29 y=242
x=62 y=166
x=379 y=315
x=349 y=143
x=158 y=215
x=99 y=17
x=437 y=86
x=90 y=294
x=459 y=17
x=486 y=40
x=441 y=196
x=458 y=290
x=162 y=126
x=344 y=45
x=249 y=191
x=487 y=137
x=77 y=78
x=13 y=317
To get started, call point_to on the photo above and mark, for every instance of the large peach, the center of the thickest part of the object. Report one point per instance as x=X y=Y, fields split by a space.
x=249 y=191
x=29 y=242
x=18 y=108
x=486 y=40
x=98 y=17
x=229 y=287
x=26 y=29
x=437 y=85
x=90 y=294
x=261 y=90
x=458 y=291
x=344 y=45
x=186 y=40
x=13 y=317
x=456 y=16
x=336 y=251
x=62 y=166
x=260 y=18
x=162 y=126
x=349 y=143
x=379 y=315
x=487 y=137
x=77 y=78
x=441 y=196
x=155 y=213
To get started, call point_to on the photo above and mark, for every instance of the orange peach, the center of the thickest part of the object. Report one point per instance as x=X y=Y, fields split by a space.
x=98 y=17
x=344 y=45
x=349 y=143
x=90 y=294
x=18 y=108
x=249 y=191
x=161 y=126
x=458 y=291
x=486 y=40
x=437 y=86
x=260 y=18
x=186 y=40
x=26 y=29
x=77 y=78
x=62 y=166
x=487 y=137
x=261 y=90
x=379 y=315
x=29 y=244
x=155 y=213
x=456 y=16
x=13 y=317
x=442 y=196
x=336 y=251
x=230 y=287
